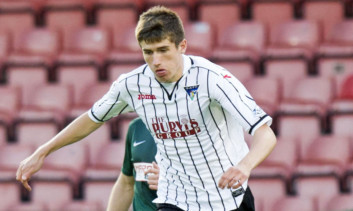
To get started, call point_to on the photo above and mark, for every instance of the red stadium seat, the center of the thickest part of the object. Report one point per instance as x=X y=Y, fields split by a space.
x=90 y=40
x=339 y=42
x=344 y=100
x=98 y=191
x=48 y=102
x=27 y=206
x=269 y=98
x=220 y=14
x=3 y=134
x=272 y=13
x=292 y=126
x=200 y=37
x=108 y=163
x=338 y=69
x=347 y=88
x=65 y=17
x=126 y=48
x=322 y=159
x=67 y=164
x=340 y=202
x=294 y=203
x=35 y=133
x=241 y=41
x=88 y=47
x=95 y=141
x=42 y=193
x=5 y=45
x=326 y=13
x=116 y=15
x=81 y=205
x=16 y=17
x=26 y=79
x=38 y=47
x=39 y=41
x=10 y=157
x=316 y=101
x=87 y=98
x=9 y=195
x=261 y=187
x=293 y=39
x=10 y=103
x=288 y=72
x=319 y=188
x=340 y=124
x=78 y=77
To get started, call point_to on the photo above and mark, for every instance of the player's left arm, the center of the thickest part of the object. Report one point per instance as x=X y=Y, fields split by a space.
x=263 y=142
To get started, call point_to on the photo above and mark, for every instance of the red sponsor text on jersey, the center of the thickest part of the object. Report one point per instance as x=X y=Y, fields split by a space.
x=140 y=97
x=226 y=76
x=167 y=130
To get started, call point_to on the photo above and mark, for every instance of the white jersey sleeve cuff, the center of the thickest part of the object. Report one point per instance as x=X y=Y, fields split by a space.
x=92 y=117
x=266 y=120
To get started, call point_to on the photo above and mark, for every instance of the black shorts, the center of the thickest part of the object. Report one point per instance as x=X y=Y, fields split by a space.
x=247 y=204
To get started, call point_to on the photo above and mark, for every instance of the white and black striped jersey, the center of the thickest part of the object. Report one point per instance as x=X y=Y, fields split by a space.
x=198 y=127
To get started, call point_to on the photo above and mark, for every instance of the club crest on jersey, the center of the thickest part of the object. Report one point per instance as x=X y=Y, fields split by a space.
x=192 y=91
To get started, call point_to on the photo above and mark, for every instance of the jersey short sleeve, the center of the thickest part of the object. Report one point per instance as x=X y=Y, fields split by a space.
x=233 y=97
x=111 y=104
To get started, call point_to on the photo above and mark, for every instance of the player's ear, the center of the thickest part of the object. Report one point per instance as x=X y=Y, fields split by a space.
x=183 y=46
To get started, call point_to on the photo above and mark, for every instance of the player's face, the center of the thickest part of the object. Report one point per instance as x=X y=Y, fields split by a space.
x=165 y=59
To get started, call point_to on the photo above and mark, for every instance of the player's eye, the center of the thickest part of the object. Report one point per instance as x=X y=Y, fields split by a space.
x=147 y=52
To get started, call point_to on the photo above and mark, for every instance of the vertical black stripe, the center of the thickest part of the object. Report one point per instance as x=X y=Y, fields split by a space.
x=187 y=106
x=202 y=150
x=166 y=113
x=132 y=100
x=192 y=159
x=166 y=152
x=143 y=105
x=186 y=196
x=233 y=105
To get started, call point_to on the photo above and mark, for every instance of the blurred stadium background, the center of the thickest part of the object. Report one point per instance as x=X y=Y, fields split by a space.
x=295 y=57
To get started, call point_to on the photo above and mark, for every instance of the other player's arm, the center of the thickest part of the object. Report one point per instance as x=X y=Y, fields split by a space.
x=77 y=130
x=153 y=176
x=122 y=193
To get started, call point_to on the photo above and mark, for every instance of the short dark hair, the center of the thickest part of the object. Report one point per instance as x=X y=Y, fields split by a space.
x=159 y=23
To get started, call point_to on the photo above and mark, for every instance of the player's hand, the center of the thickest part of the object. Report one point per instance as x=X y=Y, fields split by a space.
x=153 y=175
x=234 y=177
x=27 y=168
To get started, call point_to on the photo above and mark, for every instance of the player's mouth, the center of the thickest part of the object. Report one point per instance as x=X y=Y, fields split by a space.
x=161 y=72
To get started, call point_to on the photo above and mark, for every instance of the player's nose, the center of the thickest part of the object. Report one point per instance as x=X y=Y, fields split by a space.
x=156 y=60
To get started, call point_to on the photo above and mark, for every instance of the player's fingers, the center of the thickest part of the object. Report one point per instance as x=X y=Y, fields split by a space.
x=18 y=174
x=26 y=185
x=153 y=187
x=225 y=179
x=155 y=166
x=237 y=184
x=152 y=170
x=233 y=182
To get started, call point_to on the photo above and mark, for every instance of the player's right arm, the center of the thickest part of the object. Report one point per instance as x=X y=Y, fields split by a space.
x=122 y=193
x=77 y=130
